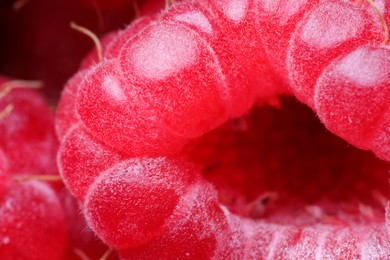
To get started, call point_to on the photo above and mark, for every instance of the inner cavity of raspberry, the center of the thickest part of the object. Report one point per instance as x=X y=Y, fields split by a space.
x=281 y=164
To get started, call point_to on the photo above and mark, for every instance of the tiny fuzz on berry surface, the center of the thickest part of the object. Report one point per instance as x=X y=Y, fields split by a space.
x=187 y=151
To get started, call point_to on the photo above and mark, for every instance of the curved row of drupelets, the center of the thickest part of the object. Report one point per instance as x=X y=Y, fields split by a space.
x=32 y=218
x=336 y=58
x=199 y=55
x=152 y=93
x=143 y=207
x=157 y=88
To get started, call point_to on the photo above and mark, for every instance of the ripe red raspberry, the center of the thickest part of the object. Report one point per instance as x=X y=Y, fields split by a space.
x=32 y=223
x=165 y=91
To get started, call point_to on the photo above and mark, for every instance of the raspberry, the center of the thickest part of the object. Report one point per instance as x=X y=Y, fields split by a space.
x=116 y=124
x=150 y=100
x=245 y=162
x=198 y=222
x=182 y=109
x=30 y=128
x=81 y=160
x=82 y=240
x=115 y=45
x=276 y=23
x=32 y=223
x=129 y=204
x=66 y=115
x=360 y=123
x=316 y=35
x=305 y=38
x=4 y=176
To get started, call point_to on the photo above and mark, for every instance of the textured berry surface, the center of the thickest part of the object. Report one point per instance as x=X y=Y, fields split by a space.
x=314 y=37
x=4 y=175
x=343 y=83
x=32 y=223
x=129 y=204
x=246 y=158
x=183 y=82
x=66 y=114
x=82 y=241
x=115 y=123
x=27 y=134
x=32 y=220
x=315 y=40
x=183 y=109
x=303 y=201
x=81 y=160
x=198 y=222
x=111 y=44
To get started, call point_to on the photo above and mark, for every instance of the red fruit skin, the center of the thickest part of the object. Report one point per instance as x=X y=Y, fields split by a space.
x=114 y=47
x=170 y=113
x=142 y=111
x=32 y=223
x=210 y=20
x=387 y=216
x=346 y=236
x=315 y=43
x=126 y=123
x=129 y=203
x=352 y=98
x=276 y=21
x=312 y=39
x=66 y=114
x=29 y=128
x=81 y=237
x=4 y=176
x=242 y=56
x=198 y=229
x=192 y=54
x=285 y=150
x=81 y=160
x=184 y=110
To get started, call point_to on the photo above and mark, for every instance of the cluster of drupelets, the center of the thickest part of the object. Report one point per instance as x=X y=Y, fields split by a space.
x=126 y=118
x=39 y=219
x=172 y=77
x=32 y=217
